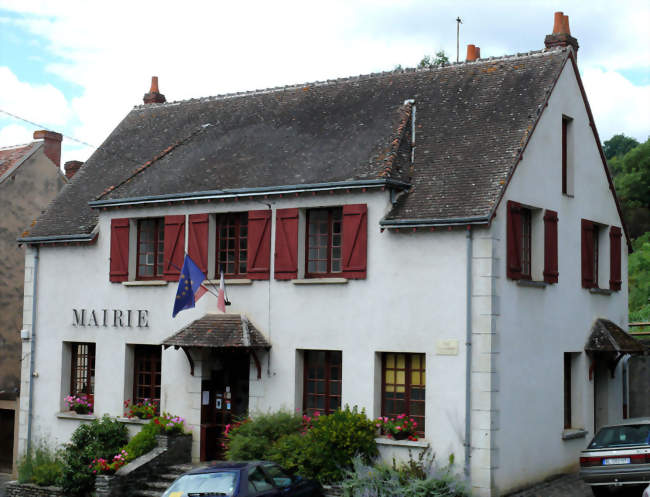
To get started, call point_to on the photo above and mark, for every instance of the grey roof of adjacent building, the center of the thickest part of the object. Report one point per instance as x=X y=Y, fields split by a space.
x=471 y=122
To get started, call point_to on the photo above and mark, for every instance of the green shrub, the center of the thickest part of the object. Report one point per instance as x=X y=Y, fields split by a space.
x=142 y=442
x=253 y=438
x=405 y=480
x=41 y=465
x=100 y=439
x=326 y=450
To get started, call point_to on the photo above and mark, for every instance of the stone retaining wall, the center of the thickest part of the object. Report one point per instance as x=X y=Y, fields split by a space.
x=15 y=489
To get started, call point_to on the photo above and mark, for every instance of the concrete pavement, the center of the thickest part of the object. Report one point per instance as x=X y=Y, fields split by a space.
x=566 y=486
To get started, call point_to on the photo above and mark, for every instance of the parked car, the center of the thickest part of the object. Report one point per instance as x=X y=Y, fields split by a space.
x=619 y=455
x=646 y=492
x=243 y=479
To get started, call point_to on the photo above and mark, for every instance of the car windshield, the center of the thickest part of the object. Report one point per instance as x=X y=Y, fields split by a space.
x=219 y=483
x=618 y=436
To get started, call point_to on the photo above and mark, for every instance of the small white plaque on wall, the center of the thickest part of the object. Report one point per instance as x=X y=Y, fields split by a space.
x=447 y=347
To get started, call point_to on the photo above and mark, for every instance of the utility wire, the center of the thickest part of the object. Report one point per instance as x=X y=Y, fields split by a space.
x=40 y=126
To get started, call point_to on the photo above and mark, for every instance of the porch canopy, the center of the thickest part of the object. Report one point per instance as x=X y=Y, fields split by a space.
x=219 y=331
x=610 y=342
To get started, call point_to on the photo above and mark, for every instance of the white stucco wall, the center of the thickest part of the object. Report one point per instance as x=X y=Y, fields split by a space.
x=537 y=325
x=414 y=295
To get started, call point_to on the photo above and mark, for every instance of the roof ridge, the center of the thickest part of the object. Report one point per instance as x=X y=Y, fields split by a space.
x=345 y=79
x=22 y=145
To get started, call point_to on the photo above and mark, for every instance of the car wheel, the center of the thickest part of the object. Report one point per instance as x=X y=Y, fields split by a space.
x=600 y=491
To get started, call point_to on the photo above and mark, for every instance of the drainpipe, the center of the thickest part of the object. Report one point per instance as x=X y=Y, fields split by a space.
x=626 y=386
x=31 y=354
x=468 y=355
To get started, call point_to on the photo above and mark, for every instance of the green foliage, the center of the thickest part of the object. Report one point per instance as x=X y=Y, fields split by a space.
x=42 y=466
x=143 y=441
x=253 y=438
x=631 y=174
x=439 y=60
x=326 y=450
x=639 y=279
x=411 y=479
x=100 y=439
x=618 y=145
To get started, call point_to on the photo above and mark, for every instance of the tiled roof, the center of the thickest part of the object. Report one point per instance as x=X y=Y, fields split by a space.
x=10 y=156
x=471 y=120
x=219 y=331
x=609 y=337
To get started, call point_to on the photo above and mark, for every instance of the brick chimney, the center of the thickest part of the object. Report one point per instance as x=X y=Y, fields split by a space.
x=71 y=167
x=154 y=96
x=52 y=143
x=561 y=36
x=473 y=53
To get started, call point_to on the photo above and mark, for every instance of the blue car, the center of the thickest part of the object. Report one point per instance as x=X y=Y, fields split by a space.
x=243 y=479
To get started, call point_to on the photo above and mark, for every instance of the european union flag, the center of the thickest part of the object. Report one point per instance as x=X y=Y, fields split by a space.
x=189 y=286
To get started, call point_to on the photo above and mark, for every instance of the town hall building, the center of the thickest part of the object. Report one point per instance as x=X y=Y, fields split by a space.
x=444 y=243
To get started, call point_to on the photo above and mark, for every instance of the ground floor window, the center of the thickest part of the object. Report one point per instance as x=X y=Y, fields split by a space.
x=403 y=387
x=146 y=374
x=82 y=374
x=322 y=381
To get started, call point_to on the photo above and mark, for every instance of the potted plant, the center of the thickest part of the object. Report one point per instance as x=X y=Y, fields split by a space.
x=145 y=409
x=400 y=427
x=79 y=404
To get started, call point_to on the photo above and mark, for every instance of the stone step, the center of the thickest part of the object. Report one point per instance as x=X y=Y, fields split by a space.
x=146 y=493
x=161 y=486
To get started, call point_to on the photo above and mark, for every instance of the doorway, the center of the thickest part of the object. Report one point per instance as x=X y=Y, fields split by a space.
x=601 y=394
x=224 y=400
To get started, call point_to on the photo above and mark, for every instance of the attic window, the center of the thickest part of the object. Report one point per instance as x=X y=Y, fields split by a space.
x=567 y=155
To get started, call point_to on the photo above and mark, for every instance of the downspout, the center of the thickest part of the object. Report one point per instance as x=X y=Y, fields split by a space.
x=626 y=386
x=468 y=355
x=30 y=409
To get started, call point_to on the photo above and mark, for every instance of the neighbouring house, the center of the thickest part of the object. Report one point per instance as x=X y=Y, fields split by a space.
x=30 y=178
x=444 y=243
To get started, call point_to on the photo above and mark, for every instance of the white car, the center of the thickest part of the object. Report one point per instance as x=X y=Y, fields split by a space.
x=646 y=492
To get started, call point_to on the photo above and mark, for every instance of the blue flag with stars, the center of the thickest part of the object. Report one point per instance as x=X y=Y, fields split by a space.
x=189 y=286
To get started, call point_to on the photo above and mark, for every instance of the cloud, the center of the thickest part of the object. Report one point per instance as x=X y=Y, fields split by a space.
x=15 y=134
x=618 y=105
x=43 y=104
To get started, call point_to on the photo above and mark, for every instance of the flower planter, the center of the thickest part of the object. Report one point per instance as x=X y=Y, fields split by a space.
x=401 y=435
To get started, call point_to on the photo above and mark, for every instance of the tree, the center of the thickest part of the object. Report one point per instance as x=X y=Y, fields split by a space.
x=639 y=279
x=429 y=62
x=618 y=146
x=632 y=182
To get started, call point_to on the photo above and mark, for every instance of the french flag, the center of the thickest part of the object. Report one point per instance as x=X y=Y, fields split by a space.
x=221 y=297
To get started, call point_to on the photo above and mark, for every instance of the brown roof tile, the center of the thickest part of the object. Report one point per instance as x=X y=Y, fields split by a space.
x=219 y=331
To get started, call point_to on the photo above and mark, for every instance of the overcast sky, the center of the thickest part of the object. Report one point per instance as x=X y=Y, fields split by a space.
x=78 y=67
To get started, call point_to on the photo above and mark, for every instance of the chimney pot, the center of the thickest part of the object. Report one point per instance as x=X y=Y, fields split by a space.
x=565 y=25
x=154 y=96
x=52 y=144
x=558 y=22
x=473 y=53
x=71 y=167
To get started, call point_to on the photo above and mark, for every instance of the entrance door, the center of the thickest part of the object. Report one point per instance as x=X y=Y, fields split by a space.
x=224 y=399
x=601 y=395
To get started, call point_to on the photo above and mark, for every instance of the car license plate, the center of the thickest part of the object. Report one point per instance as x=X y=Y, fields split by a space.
x=616 y=460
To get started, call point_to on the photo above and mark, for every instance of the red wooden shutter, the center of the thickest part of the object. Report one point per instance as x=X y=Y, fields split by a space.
x=587 y=244
x=286 y=244
x=197 y=243
x=550 y=247
x=119 y=267
x=514 y=236
x=259 y=244
x=174 y=250
x=355 y=240
x=614 y=258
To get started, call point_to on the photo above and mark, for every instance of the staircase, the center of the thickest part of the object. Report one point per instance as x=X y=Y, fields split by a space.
x=155 y=488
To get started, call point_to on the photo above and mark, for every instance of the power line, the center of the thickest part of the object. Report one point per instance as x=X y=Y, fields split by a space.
x=40 y=126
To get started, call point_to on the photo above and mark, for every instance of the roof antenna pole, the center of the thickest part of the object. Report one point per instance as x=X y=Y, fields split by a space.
x=458 y=23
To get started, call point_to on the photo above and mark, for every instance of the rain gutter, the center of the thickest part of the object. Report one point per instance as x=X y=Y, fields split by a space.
x=59 y=238
x=468 y=356
x=250 y=192
x=32 y=340
x=418 y=223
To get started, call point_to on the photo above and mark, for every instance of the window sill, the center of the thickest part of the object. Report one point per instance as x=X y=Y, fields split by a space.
x=573 y=433
x=320 y=281
x=74 y=415
x=420 y=444
x=231 y=281
x=145 y=283
x=600 y=291
x=132 y=421
x=532 y=284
